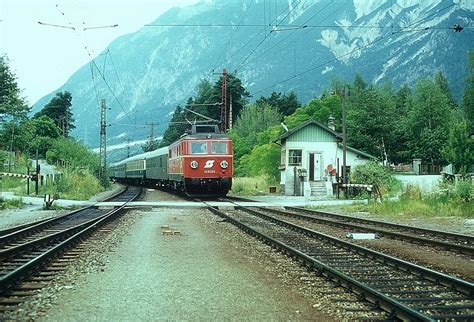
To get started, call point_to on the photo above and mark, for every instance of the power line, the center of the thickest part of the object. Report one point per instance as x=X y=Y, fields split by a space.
x=289 y=35
x=326 y=62
x=261 y=42
x=296 y=26
x=92 y=60
x=233 y=34
x=115 y=71
x=362 y=47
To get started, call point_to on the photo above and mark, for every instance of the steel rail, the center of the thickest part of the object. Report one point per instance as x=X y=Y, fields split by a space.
x=20 y=231
x=13 y=276
x=71 y=234
x=434 y=276
x=467 y=249
x=467 y=238
x=375 y=297
x=10 y=234
x=45 y=239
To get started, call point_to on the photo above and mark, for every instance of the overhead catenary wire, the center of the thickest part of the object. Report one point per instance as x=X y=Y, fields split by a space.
x=289 y=35
x=296 y=26
x=233 y=34
x=261 y=42
x=86 y=48
x=404 y=29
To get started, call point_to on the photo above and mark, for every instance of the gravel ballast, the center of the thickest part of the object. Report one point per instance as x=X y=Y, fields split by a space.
x=194 y=275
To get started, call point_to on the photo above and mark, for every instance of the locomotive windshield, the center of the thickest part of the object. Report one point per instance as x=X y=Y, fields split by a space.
x=219 y=148
x=198 y=147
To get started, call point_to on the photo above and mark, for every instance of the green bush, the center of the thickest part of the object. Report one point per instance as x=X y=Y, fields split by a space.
x=465 y=190
x=375 y=174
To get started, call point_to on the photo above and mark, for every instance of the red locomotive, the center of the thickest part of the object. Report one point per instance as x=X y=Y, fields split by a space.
x=198 y=164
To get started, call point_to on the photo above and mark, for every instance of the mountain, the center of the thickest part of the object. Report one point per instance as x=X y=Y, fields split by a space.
x=273 y=46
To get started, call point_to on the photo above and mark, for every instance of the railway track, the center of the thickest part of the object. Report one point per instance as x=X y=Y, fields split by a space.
x=406 y=291
x=26 y=250
x=453 y=242
x=434 y=238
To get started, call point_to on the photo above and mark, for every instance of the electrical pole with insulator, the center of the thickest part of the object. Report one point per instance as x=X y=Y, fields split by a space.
x=344 y=135
x=103 y=140
x=224 y=102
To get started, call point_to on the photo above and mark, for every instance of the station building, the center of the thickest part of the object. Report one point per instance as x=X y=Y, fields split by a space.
x=311 y=158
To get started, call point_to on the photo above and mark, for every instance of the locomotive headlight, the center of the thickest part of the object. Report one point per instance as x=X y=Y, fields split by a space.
x=224 y=164
x=194 y=164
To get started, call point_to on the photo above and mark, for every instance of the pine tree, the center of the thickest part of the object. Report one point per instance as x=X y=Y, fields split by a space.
x=467 y=103
x=442 y=82
x=286 y=104
x=59 y=110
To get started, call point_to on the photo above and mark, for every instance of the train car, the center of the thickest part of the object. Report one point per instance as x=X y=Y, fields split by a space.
x=200 y=163
x=128 y=171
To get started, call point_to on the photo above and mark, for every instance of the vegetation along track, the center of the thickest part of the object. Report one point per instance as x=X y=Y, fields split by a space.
x=26 y=251
x=407 y=291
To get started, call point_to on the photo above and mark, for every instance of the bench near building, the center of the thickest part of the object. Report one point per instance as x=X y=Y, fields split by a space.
x=311 y=156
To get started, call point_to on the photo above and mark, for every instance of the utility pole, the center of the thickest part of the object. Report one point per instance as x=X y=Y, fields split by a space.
x=152 y=130
x=151 y=144
x=103 y=140
x=230 y=112
x=128 y=147
x=224 y=102
x=344 y=135
x=38 y=175
x=11 y=150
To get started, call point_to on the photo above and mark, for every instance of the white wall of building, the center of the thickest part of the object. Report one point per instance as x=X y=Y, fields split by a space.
x=329 y=151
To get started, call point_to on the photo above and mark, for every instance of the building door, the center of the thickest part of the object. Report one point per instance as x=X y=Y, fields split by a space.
x=314 y=167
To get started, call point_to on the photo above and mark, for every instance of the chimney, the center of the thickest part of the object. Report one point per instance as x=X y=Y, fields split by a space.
x=331 y=123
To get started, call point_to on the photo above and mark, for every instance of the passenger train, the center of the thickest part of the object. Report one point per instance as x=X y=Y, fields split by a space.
x=200 y=163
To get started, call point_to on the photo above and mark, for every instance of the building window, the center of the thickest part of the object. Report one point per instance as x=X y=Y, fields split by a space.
x=294 y=157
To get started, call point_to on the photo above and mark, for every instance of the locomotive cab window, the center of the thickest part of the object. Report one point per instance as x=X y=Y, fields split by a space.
x=219 y=148
x=198 y=147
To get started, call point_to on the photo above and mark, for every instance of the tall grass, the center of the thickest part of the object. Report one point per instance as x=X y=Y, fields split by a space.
x=252 y=186
x=13 y=203
x=448 y=200
x=73 y=184
x=76 y=185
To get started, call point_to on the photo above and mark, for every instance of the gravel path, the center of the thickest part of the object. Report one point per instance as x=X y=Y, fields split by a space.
x=15 y=217
x=194 y=276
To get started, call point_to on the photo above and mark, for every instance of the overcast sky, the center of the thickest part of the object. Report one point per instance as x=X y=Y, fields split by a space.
x=43 y=57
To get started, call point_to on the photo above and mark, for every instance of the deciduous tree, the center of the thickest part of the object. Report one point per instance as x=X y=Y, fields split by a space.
x=11 y=103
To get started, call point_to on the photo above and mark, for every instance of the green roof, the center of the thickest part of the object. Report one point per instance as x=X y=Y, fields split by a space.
x=305 y=124
x=362 y=153
x=325 y=128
